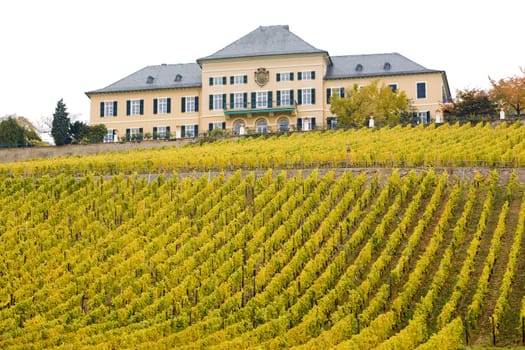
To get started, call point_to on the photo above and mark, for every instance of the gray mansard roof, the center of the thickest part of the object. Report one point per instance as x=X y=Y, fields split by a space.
x=356 y=66
x=163 y=76
x=265 y=41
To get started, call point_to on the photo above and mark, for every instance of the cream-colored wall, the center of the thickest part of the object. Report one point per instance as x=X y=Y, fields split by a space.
x=406 y=83
x=274 y=65
x=148 y=120
x=248 y=66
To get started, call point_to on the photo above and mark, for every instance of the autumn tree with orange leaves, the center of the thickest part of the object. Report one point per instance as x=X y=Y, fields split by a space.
x=509 y=92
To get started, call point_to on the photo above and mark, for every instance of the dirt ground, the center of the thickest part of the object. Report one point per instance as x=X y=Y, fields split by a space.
x=8 y=155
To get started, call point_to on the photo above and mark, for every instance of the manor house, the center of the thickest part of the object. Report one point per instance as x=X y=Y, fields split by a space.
x=268 y=80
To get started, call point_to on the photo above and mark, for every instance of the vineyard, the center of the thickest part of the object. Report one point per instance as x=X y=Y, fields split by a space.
x=401 y=146
x=97 y=256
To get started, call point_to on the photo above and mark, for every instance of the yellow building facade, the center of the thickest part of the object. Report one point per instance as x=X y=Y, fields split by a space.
x=269 y=80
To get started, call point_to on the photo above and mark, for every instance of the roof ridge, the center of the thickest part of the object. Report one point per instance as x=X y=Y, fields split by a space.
x=265 y=41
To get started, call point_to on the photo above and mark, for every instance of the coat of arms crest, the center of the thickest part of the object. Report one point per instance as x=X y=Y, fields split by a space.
x=262 y=76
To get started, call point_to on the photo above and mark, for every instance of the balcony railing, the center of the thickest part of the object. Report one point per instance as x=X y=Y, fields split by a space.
x=270 y=107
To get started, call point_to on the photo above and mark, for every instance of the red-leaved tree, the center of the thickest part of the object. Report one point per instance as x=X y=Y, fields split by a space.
x=510 y=91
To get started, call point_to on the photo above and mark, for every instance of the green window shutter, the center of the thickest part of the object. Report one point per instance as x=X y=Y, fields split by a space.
x=168 y=105
x=299 y=124
x=278 y=98
x=291 y=98
x=245 y=100
x=183 y=131
x=224 y=80
x=155 y=105
x=245 y=79
x=223 y=125
x=141 y=107
x=211 y=81
x=270 y=103
x=141 y=131
x=312 y=123
x=299 y=97
x=313 y=75
x=154 y=133
x=291 y=76
x=224 y=100
x=421 y=90
x=299 y=75
x=231 y=79
x=210 y=126
x=115 y=104
x=211 y=102
x=168 y=132
x=278 y=77
x=101 y=109
x=328 y=95
x=196 y=128
x=254 y=102
x=128 y=107
x=183 y=105
x=313 y=96
x=128 y=134
x=231 y=101
x=196 y=103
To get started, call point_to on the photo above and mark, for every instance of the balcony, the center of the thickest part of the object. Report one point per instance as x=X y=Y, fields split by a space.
x=269 y=107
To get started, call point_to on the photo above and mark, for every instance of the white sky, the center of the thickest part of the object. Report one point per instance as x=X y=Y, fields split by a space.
x=52 y=49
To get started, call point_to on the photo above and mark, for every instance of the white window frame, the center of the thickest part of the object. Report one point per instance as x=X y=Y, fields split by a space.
x=337 y=90
x=306 y=98
x=261 y=99
x=417 y=92
x=306 y=75
x=218 y=80
x=238 y=79
x=396 y=85
x=216 y=125
x=332 y=124
x=286 y=98
x=422 y=117
x=238 y=100
x=134 y=107
x=279 y=125
x=109 y=137
x=239 y=126
x=189 y=130
x=217 y=102
x=109 y=110
x=261 y=129
x=162 y=132
x=134 y=132
x=162 y=105
x=285 y=76
x=190 y=104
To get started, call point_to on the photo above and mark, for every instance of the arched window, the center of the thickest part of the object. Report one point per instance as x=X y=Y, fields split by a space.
x=261 y=126
x=283 y=124
x=238 y=127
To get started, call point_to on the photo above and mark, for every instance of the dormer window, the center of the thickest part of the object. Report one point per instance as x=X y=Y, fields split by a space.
x=387 y=66
x=178 y=77
x=359 y=67
x=149 y=80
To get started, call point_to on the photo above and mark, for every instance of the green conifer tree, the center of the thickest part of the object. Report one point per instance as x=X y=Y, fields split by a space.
x=61 y=123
